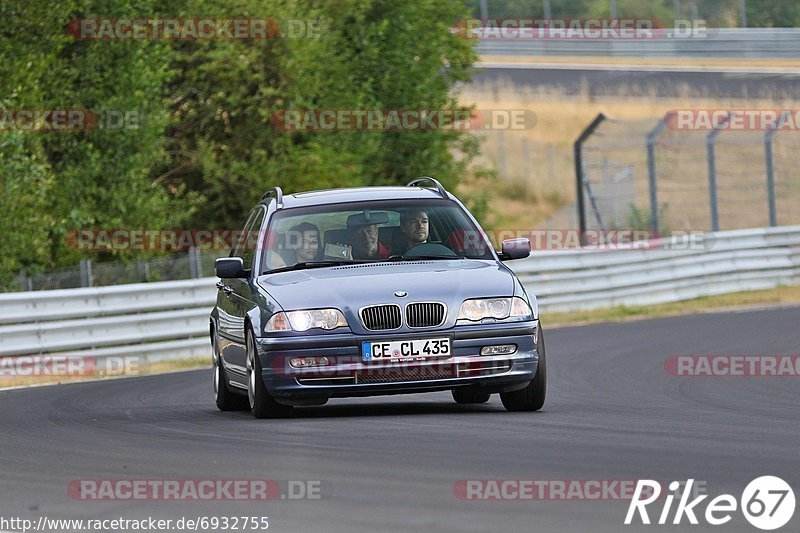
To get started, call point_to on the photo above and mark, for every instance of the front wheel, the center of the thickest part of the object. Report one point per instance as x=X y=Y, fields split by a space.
x=532 y=397
x=262 y=405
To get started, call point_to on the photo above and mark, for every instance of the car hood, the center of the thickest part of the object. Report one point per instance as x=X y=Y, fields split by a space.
x=351 y=287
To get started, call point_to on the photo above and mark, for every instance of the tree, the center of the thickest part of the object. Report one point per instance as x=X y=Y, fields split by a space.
x=366 y=55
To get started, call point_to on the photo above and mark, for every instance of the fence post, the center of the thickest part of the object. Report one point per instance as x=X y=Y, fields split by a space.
x=25 y=282
x=578 y=154
x=652 y=136
x=711 y=140
x=773 y=212
x=194 y=263
x=526 y=162
x=86 y=272
x=501 y=154
x=551 y=164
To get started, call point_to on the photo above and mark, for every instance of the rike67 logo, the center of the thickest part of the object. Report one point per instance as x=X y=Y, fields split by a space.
x=767 y=502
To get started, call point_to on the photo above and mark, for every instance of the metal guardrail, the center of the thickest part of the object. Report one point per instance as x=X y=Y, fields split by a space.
x=169 y=320
x=729 y=261
x=719 y=42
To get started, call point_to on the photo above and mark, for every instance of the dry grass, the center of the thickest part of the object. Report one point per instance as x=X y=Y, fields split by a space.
x=528 y=194
x=726 y=302
x=142 y=370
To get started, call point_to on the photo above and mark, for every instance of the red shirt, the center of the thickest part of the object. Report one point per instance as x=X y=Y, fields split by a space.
x=384 y=251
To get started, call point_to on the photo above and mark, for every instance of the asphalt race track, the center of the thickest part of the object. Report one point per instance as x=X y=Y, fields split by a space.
x=390 y=463
x=644 y=81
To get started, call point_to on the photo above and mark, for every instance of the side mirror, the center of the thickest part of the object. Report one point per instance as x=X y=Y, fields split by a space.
x=230 y=267
x=515 y=249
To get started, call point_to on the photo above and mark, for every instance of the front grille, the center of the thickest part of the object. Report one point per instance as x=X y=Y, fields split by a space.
x=425 y=315
x=381 y=317
x=403 y=373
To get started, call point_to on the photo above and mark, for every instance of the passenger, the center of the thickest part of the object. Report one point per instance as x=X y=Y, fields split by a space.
x=302 y=244
x=363 y=235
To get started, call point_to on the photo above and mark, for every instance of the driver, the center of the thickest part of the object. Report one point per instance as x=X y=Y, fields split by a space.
x=362 y=232
x=414 y=227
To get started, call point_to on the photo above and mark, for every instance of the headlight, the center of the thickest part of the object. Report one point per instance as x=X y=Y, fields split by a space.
x=497 y=308
x=305 y=319
x=535 y=307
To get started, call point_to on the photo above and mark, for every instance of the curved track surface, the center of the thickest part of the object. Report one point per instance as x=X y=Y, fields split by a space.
x=646 y=81
x=390 y=463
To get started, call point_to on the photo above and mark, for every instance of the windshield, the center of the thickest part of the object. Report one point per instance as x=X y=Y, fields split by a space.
x=371 y=231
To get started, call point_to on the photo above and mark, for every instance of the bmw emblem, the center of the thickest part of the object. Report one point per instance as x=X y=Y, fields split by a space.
x=400 y=294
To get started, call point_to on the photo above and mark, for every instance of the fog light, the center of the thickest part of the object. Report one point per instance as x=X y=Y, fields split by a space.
x=305 y=362
x=503 y=349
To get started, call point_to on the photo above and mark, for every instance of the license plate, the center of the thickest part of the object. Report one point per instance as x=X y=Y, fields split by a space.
x=388 y=350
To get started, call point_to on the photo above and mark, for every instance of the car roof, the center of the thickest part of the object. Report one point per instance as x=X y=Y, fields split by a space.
x=356 y=194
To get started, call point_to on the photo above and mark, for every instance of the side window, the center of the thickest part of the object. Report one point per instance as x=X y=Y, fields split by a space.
x=238 y=246
x=251 y=237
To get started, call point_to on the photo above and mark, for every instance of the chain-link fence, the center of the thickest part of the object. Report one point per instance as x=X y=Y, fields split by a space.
x=645 y=175
x=191 y=264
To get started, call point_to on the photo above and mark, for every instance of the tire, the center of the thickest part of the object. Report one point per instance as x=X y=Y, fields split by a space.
x=225 y=399
x=262 y=405
x=532 y=397
x=465 y=395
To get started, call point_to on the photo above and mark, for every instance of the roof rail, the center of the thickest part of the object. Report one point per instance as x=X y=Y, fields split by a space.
x=276 y=193
x=439 y=186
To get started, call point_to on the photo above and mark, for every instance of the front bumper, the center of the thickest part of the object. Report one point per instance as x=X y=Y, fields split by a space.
x=348 y=375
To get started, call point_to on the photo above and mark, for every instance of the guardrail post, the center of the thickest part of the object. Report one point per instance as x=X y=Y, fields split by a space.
x=579 y=180
x=652 y=136
x=195 y=269
x=773 y=212
x=711 y=140
x=86 y=272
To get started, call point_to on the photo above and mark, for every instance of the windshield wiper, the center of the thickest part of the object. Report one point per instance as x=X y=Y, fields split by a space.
x=422 y=257
x=312 y=264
